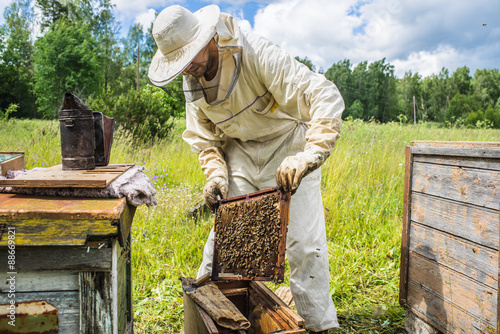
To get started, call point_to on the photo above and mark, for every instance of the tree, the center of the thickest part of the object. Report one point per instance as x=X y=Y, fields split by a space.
x=66 y=60
x=52 y=11
x=410 y=90
x=461 y=106
x=486 y=84
x=461 y=81
x=16 y=58
x=382 y=100
x=341 y=75
x=306 y=61
x=436 y=92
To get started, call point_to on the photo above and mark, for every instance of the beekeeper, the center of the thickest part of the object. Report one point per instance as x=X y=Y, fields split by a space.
x=258 y=119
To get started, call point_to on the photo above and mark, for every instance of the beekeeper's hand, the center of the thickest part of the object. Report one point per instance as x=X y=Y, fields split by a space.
x=213 y=188
x=295 y=167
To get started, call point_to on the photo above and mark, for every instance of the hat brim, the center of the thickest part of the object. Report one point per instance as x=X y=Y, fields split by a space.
x=164 y=68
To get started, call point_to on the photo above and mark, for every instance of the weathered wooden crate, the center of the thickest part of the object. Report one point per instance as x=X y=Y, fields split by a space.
x=449 y=261
x=11 y=161
x=263 y=309
x=71 y=269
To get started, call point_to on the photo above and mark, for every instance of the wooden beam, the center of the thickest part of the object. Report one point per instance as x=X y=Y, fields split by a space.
x=403 y=272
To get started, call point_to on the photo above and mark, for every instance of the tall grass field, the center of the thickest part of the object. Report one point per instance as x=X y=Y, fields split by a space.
x=362 y=184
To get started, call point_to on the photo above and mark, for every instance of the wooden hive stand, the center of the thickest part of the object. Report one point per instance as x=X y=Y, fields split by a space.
x=70 y=260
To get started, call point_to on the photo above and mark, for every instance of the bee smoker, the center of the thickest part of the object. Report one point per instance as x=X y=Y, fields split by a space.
x=86 y=135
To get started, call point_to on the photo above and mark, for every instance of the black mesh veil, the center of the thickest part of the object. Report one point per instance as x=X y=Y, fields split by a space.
x=229 y=70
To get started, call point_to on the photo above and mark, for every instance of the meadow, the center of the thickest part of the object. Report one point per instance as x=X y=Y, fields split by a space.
x=362 y=184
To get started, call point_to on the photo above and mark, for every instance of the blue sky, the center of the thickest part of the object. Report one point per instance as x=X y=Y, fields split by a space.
x=419 y=36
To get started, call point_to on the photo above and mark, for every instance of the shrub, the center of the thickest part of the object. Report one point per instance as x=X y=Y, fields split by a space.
x=148 y=114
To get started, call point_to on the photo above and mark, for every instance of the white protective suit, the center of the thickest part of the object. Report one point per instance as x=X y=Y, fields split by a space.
x=269 y=107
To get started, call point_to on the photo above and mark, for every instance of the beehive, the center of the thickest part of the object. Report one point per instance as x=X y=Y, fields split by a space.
x=264 y=310
x=71 y=265
x=250 y=236
x=449 y=261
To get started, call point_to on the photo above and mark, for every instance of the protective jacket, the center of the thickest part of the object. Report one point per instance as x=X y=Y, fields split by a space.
x=263 y=93
x=268 y=108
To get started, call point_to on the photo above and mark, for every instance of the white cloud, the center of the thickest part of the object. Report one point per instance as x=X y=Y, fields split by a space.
x=421 y=36
x=145 y=19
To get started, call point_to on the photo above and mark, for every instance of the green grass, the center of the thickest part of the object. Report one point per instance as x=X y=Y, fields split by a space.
x=363 y=199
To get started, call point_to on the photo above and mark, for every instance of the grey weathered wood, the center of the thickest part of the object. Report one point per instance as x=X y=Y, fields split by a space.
x=472 y=186
x=66 y=303
x=41 y=281
x=470 y=222
x=443 y=315
x=95 y=303
x=477 y=262
x=453 y=238
x=403 y=274
x=476 y=299
x=122 y=290
x=470 y=162
x=457 y=152
x=59 y=258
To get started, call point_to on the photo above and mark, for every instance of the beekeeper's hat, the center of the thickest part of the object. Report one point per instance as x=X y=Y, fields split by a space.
x=180 y=35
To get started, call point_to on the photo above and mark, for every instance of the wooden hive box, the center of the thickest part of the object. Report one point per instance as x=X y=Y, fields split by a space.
x=70 y=263
x=263 y=309
x=449 y=260
x=249 y=247
x=11 y=161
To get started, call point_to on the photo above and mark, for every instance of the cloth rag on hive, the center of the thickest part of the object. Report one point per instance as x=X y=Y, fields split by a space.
x=216 y=304
x=133 y=184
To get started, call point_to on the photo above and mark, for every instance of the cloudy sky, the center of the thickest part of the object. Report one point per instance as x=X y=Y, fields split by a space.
x=420 y=36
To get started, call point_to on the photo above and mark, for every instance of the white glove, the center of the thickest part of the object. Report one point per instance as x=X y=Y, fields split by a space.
x=295 y=167
x=213 y=188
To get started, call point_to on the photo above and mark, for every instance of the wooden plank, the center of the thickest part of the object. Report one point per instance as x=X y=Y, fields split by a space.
x=125 y=224
x=95 y=303
x=470 y=162
x=56 y=177
x=475 y=299
x=456 y=144
x=194 y=322
x=458 y=152
x=472 y=186
x=475 y=261
x=446 y=317
x=285 y=199
x=121 y=300
x=41 y=281
x=14 y=206
x=473 y=223
x=278 y=304
x=58 y=258
x=128 y=278
x=263 y=319
x=48 y=232
x=403 y=272
x=66 y=302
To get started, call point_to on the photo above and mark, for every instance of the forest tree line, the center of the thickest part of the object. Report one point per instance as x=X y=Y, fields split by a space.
x=74 y=46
